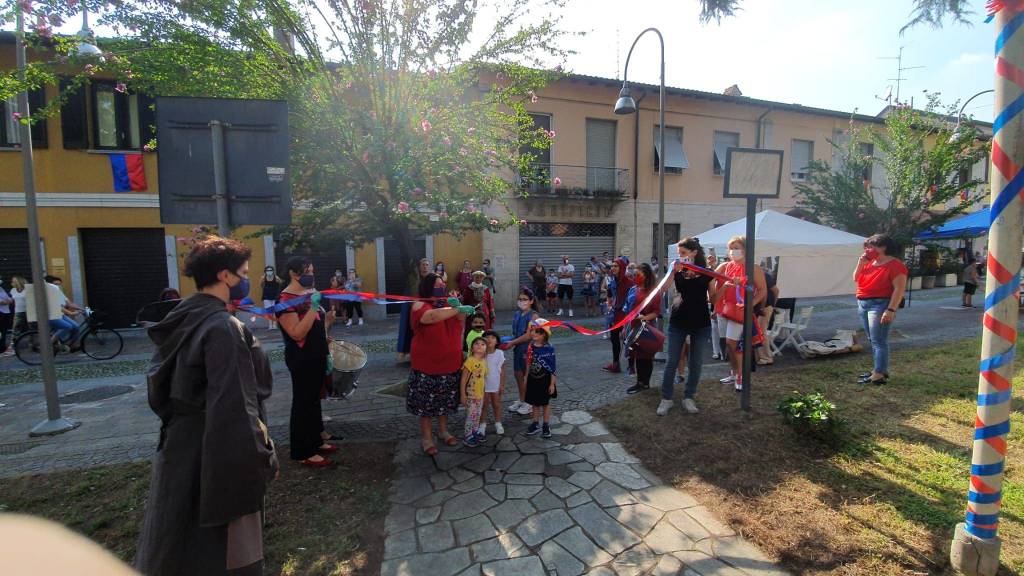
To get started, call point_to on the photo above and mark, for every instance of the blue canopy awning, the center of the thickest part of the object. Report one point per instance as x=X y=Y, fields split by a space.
x=966 y=226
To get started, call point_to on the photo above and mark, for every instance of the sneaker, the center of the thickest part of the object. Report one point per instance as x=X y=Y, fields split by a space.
x=349 y=323
x=360 y=321
x=570 y=313
x=739 y=385
x=690 y=405
x=728 y=379
x=499 y=429
x=533 y=430
x=481 y=432
x=637 y=388
x=545 y=431
x=604 y=336
x=471 y=441
x=514 y=407
x=560 y=312
x=613 y=368
x=524 y=409
x=664 y=407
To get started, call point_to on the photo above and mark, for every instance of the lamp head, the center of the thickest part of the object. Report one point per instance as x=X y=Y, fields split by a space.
x=86 y=48
x=625 y=104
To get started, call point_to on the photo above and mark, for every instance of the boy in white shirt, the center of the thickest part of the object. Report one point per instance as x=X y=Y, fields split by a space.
x=494 y=383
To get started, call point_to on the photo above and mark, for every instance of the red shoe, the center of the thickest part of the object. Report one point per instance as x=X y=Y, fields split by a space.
x=324 y=463
x=613 y=368
x=328 y=448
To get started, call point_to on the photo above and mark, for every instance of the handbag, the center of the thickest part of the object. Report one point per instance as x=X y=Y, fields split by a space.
x=731 y=305
x=645 y=340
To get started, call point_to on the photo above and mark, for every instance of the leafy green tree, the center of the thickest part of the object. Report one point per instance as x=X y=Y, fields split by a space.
x=404 y=123
x=927 y=160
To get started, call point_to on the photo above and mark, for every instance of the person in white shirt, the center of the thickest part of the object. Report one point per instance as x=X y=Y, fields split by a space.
x=18 y=293
x=494 y=383
x=565 y=274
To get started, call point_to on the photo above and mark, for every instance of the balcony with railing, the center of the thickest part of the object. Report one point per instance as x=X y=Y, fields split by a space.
x=576 y=182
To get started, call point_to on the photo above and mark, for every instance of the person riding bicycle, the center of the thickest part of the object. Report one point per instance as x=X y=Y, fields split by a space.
x=64 y=328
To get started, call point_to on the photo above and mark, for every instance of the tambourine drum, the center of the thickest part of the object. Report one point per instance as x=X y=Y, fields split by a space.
x=349 y=361
x=645 y=340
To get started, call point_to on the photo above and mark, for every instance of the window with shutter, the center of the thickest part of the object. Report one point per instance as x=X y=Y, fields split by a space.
x=867 y=151
x=73 y=125
x=800 y=159
x=10 y=128
x=118 y=121
x=675 y=156
x=601 y=155
x=723 y=141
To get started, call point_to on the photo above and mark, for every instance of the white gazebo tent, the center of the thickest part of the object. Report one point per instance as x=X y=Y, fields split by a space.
x=814 y=260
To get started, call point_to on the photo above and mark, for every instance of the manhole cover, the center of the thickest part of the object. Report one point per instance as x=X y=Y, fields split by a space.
x=95 y=394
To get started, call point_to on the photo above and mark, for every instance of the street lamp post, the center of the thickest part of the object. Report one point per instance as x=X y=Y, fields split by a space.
x=54 y=423
x=627 y=105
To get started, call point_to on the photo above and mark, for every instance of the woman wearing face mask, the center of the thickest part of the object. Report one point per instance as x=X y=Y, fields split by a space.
x=731 y=292
x=436 y=361
x=528 y=310
x=689 y=320
x=440 y=272
x=354 y=284
x=617 y=300
x=270 y=287
x=881 y=280
x=304 y=329
x=644 y=279
x=20 y=317
x=464 y=278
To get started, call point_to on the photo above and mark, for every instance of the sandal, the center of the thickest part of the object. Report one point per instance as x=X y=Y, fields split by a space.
x=328 y=448
x=430 y=450
x=449 y=440
x=323 y=463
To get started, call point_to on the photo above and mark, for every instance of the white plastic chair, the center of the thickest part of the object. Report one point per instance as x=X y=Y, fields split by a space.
x=794 y=330
x=770 y=335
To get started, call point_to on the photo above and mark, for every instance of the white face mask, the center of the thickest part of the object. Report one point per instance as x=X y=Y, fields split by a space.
x=524 y=306
x=736 y=255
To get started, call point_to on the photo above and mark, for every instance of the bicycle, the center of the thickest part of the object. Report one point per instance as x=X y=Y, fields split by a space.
x=92 y=338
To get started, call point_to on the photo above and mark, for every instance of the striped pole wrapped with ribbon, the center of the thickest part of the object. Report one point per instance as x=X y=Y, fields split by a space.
x=975 y=546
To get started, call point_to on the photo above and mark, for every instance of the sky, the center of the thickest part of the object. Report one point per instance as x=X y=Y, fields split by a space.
x=834 y=54
x=823 y=53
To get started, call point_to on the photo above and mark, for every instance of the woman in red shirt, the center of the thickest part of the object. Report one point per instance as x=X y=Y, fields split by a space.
x=881 y=280
x=436 y=361
x=645 y=282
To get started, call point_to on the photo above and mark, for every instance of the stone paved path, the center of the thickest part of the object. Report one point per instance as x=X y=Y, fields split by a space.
x=577 y=503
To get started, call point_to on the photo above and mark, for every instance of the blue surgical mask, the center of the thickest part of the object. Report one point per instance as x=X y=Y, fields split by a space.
x=439 y=292
x=307 y=280
x=240 y=290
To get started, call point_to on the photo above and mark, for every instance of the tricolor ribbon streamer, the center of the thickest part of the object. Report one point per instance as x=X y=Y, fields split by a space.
x=250 y=307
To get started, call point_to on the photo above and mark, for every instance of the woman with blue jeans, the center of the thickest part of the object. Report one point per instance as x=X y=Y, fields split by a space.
x=881 y=280
x=690 y=319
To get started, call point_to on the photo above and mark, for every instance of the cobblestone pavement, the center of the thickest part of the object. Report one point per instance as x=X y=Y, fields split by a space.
x=577 y=503
x=122 y=428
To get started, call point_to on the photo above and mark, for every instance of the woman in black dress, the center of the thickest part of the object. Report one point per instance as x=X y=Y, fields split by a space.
x=304 y=328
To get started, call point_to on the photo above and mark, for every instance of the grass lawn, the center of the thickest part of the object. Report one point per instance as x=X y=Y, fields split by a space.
x=885 y=503
x=318 y=522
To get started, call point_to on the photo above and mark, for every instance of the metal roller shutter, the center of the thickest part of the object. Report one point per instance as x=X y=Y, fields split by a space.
x=547 y=242
x=325 y=262
x=396 y=276
x=125 y=269
x=14 y=257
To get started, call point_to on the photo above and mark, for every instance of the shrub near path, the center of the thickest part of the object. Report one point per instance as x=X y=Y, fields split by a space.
x=883 y=502
x=319 y=522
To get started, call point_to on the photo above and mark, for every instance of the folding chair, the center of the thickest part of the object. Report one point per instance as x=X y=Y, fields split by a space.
x=771 y=334
x=794 y=329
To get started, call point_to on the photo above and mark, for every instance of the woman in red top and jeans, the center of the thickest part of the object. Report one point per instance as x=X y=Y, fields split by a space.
x=436 y=360
x=881 y=280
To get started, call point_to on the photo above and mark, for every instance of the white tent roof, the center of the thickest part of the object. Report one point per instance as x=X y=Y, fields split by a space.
x=780 y=235
x=814 y=260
